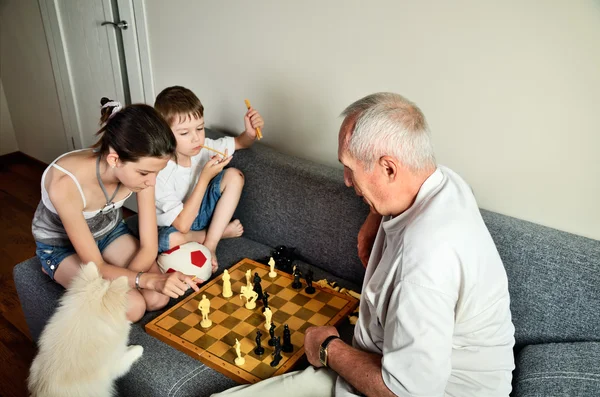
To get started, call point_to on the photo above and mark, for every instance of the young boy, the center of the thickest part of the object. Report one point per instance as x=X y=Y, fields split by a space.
x=195 y=198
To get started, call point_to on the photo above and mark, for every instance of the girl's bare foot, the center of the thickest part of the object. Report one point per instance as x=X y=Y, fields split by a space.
x=234 y=229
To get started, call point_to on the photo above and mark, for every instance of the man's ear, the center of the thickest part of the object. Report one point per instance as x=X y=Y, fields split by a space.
x=113 y=159
x=389 y=167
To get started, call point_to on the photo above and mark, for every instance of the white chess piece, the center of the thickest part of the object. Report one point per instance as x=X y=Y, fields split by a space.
x=239 y=360
x=272 y=273
x=204 y=307
x=227 y=292
x=268 y=313
x=250 y=295
x=248 y=278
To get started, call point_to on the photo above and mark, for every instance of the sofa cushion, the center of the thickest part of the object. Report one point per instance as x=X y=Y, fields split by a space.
x=558 y=369
x=553 y=280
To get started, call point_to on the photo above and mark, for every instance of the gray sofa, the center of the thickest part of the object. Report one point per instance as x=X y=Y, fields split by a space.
x=554 y=280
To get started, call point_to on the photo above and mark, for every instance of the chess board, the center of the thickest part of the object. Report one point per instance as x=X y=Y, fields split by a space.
x=214 y=346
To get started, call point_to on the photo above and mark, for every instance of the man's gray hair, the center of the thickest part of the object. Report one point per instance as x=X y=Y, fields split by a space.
x=389 y=124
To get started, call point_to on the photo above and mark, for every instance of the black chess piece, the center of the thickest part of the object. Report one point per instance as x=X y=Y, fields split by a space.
x=287 y=346
x=297 y=284
x=277 y=352
x=272 y=335
x=259 y=349
x=284 y=258
x=309 y=279
x=257 y=287
x=265 y=299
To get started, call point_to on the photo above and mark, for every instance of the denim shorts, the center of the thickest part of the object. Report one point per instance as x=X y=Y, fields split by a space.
x=207 y=208
x=51 y=256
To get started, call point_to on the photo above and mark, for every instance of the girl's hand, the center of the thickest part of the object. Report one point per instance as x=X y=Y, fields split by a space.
x=175 y=284
x=252 y=121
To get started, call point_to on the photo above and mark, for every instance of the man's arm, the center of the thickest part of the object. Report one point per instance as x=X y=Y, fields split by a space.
x=361 y=369
x=366 y=236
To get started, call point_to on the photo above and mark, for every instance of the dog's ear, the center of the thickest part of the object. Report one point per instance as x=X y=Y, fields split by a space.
x=120 y=285
x=90 y=272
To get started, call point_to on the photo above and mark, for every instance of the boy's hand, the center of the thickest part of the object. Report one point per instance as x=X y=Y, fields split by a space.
x=214 y=166
x=252 y=121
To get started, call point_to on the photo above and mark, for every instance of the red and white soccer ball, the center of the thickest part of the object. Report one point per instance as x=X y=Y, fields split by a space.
x=190 y=258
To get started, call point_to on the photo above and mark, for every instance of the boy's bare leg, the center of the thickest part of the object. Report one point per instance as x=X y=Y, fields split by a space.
x=233 y=229
x=231 y=190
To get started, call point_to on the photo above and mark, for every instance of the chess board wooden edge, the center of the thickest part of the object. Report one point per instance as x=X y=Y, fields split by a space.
x=220 y=365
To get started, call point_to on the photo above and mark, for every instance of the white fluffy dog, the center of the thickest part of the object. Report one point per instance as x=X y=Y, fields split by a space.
x=83 y=348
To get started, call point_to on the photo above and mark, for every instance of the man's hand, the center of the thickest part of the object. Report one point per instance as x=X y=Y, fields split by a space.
x=313 y=338
x=214 y=166
x=366 y=236
x=252 y=121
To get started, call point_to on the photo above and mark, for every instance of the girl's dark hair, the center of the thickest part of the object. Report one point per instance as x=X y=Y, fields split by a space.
x=135 y=131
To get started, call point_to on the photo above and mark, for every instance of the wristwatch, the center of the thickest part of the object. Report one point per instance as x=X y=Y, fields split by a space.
x=323 y=349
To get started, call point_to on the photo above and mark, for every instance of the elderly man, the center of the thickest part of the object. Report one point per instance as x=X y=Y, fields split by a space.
x=435 y=311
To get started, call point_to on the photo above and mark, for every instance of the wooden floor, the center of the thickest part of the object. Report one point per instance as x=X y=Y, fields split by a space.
x=19 y=196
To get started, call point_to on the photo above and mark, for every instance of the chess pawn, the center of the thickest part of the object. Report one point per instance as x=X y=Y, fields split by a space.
x=268 y=314
x=239 y=360
x=248 y=278
x=259 y=350
x=272 y=273
x=227 y=292
x=272 y=335
x=287 y=346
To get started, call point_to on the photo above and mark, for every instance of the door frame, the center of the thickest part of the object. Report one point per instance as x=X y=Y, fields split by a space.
x=137 y=60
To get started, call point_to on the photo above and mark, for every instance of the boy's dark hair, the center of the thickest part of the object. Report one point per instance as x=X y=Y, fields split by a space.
x=135 y=131
x=177 y=103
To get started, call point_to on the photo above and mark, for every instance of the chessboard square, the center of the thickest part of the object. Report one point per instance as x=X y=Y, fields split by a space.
x=297 y=340
x=328 y=311
x=250 y=363
x=264 y=371
x=276 y=302
x=230 y=322
x=242 y=313
x=167 y=322
x=236 y=287
x=192 y=319
x=283 y=281
x=244 y=328
x=191 y=305
x=314 y=305
x=246 y=345
x=323 y=296
x=218 y=348
x=218 y=316
x=289 y=308
x=295 y=323
x=286 y=294
x=255 y=319
x=337 y=302
x=263 y=356
x=205 y=341
x=229 y=308
x=179 y=313
x=300 y=300
x=229 y=355
x=280 y=317
x=230 y=338
x=319 y=319
x=217 y=302
x=208 y=295
x=192 y=335
x=304 y=313
x=214 y=289
x=261 y=272
x=238 y=274
x=273 y=289
x=304 y=327
x=179 y=328
x=217 y=331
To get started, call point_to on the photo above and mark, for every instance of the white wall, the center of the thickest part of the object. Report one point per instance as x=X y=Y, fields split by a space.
x=8 y=142
x=26 y=73
x=511 y=89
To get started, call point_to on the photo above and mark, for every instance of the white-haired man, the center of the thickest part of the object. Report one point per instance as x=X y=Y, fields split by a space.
x=435 y=310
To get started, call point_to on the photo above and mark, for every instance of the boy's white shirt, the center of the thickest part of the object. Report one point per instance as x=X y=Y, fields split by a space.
x=175 y=183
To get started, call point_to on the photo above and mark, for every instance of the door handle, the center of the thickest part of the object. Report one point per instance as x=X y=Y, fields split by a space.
x=121 y=25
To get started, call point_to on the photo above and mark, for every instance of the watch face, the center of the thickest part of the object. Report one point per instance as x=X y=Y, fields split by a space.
x=323 y=356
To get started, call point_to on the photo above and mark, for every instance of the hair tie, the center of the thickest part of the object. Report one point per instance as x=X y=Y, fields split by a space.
x=117 y=106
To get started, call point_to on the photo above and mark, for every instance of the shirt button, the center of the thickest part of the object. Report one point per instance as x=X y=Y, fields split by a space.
x=48 y=261
x=52 y=267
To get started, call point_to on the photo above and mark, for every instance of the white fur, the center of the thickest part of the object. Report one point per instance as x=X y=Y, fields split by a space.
x=83 y=348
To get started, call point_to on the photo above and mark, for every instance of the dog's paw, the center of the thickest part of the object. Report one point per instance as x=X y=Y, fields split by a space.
x=135 y=352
